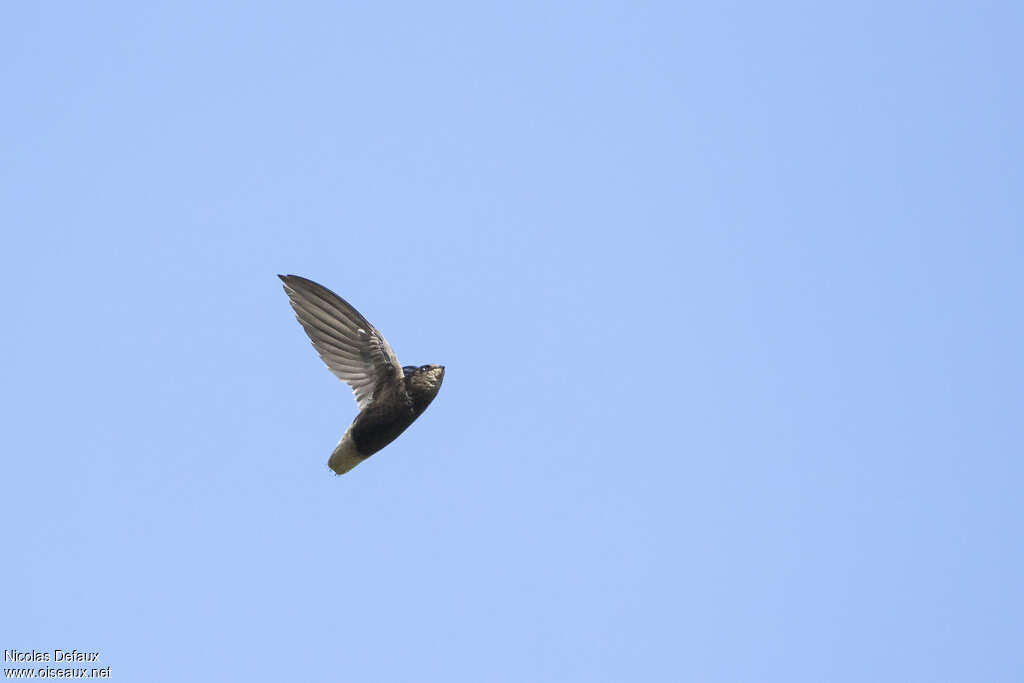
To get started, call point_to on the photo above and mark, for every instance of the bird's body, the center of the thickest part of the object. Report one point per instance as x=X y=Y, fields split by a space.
x=390 y=396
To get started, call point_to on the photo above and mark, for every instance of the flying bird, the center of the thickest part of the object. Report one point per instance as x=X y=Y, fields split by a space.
x=390 y=396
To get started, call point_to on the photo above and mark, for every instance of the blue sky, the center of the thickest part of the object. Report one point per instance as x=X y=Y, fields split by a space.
x=729 y=297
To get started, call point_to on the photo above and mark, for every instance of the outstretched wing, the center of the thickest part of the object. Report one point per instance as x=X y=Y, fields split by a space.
x=351 y=347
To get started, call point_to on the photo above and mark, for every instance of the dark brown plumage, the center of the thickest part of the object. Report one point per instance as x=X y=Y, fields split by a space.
x=390 y=397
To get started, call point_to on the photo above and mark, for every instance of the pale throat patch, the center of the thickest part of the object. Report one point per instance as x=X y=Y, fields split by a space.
x=430 y=380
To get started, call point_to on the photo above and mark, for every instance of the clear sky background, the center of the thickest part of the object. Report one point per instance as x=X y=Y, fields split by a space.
x=729 y=296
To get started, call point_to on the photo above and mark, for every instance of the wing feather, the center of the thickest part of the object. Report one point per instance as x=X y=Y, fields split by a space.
x=353 y=349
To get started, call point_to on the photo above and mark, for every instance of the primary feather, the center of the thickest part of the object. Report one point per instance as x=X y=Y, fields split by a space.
x=353 y=349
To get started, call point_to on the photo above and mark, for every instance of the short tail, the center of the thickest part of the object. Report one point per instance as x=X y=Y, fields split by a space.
x=345 y=455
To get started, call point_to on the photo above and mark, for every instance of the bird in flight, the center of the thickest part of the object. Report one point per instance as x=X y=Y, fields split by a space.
x=390 y=396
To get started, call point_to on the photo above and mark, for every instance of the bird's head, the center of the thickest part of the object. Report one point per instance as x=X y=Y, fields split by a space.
x=423 y=383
